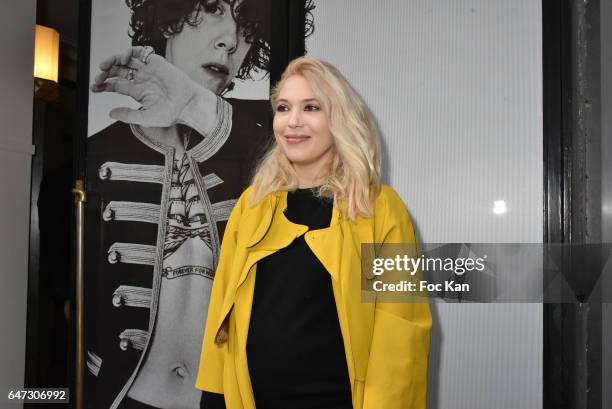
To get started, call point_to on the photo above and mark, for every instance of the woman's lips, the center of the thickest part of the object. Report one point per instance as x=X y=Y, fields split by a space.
x=214 y=77
x=293 y=139
x=218 y=70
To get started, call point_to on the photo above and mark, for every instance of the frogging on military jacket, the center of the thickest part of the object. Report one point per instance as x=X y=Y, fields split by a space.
x=128 y=180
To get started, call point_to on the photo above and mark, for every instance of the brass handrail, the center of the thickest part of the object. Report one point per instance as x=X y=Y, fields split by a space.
x=80 y=198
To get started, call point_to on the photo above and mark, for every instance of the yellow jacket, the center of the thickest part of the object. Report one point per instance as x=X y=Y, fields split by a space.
x=386 y=345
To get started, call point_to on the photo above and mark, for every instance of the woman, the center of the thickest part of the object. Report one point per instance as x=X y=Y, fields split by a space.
x=286 y=327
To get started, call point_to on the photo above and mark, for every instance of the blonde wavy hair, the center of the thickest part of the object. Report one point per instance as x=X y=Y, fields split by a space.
x=354 y=174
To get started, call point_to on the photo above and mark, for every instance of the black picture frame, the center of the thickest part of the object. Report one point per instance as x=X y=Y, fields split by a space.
x=572 y=333
x=288 y=27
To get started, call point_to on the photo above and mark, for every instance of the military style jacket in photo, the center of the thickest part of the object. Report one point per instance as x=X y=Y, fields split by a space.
x=128 y=183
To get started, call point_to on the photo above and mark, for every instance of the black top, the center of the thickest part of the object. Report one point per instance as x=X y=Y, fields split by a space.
x=295 y=351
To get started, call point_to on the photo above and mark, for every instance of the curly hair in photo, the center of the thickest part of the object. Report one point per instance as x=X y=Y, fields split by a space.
x=153 y=21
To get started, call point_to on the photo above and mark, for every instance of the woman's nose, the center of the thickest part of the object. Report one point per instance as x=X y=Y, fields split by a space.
x=228 y=35
x=295 y=120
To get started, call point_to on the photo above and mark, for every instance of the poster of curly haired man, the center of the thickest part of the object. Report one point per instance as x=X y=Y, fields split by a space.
x=178 y=114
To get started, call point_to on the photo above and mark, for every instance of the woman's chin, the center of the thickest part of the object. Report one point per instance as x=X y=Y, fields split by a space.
x=212 y=84
x=298 y=160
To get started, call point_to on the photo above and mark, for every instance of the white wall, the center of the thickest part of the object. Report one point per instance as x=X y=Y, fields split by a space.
x=456 y=86
x=17 y=20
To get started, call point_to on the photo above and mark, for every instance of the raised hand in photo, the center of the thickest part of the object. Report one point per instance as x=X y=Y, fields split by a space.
x=166 y=94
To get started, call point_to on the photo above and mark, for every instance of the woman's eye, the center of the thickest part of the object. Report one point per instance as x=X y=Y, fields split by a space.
x=311 y=108
x=214 y=8
x=282 y=108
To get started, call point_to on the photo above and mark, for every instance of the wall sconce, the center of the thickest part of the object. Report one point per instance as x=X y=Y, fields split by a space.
x=46 y=63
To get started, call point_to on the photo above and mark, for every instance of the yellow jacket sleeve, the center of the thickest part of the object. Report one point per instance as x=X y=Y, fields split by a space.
x=396 y=377
x=212 y=356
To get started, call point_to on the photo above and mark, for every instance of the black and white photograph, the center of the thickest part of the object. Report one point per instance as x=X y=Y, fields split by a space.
x=178 y=112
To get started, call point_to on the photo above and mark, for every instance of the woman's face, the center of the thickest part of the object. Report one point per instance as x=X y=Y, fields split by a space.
x=301 y=127
x=211 y=53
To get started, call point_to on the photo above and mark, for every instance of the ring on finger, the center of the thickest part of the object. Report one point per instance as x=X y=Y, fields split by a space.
x=130 y=74
x=148 y=50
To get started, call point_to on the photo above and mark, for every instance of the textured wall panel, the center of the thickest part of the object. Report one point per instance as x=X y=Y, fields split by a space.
x=456 y=86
